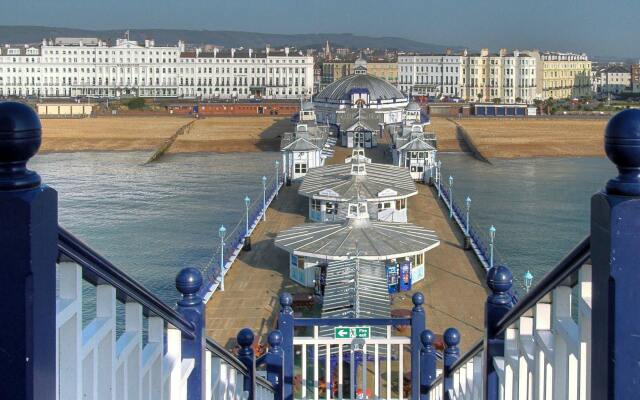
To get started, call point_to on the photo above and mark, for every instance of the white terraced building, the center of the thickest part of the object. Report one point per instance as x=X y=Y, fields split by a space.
x=72 y=67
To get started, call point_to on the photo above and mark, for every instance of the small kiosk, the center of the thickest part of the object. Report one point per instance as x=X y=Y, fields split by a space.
x=385 y=187
x=311 y=245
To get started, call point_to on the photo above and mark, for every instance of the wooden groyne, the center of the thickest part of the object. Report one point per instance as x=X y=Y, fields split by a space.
x=467 y=144
x=166 y=145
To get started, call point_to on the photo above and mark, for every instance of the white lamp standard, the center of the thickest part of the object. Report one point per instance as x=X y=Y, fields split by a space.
x=528 y=280
x=492 y=236
x=277 y=176
x=467 y=238
x=450 y=196
x=247 y=238
x=221 y=232
x=264 y=198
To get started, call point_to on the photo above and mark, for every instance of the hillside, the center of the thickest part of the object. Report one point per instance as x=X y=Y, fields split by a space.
x=34 y=34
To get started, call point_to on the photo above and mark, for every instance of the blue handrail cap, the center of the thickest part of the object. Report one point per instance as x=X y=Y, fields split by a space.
x=20 y=139
x=286 y=300
x=622 y=145
x=189 y=281
x=499 y=279
x=417 y=299
x=275 y=338
x=427 y=337
x=451 y=337
x=245 y=337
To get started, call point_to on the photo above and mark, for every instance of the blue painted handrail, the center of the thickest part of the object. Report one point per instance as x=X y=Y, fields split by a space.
x=97 y=270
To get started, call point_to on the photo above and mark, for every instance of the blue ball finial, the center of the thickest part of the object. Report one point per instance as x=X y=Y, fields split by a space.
x=622 y=145
x=189 y=283
x=417 y=299
x=427 y=337
x=20 y=138
x=245 y=337
x=499 y=279
x=275 y=338
x=286 y=300
x=451 y=337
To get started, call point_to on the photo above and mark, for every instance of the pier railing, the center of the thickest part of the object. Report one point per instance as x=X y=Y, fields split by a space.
x=233 y=240
x=77 y=327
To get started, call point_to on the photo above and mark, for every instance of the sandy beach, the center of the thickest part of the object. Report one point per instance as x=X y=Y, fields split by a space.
x=494 y=138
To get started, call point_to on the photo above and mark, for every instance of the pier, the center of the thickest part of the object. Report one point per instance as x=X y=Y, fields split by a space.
x=257 y=277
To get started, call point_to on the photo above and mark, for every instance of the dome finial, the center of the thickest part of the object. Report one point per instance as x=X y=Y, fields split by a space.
x=622 y=145
x=20 y=138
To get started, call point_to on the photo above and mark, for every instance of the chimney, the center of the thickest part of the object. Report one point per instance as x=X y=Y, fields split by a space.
x=516 y=53
x=503 y=52
x=465 y=52
x=146 y=43
x=267 y=50
x=250 y=52
x=197 y=51
x=233 y=52
x=215 y=52
x=484 y=52
x=448 y=52
x=286 y=51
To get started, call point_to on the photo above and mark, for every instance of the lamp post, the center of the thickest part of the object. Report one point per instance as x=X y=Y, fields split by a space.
x=264 y=198
x=277 y=176
x=467 y=238
x=221 y=233
x=450 y=196
x=247 y=239
x=492 y=236
x=438 y=172
x=528 y=280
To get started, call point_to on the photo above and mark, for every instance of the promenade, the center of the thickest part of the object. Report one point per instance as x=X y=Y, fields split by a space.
x=453 y=288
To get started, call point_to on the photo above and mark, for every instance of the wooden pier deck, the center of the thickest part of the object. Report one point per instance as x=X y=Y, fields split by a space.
x=454 y=289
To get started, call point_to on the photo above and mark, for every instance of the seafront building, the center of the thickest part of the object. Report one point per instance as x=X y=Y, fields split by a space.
x=565 y=75
x=385 y=188
x=615 y=79
x=431 y=75
x=635 y=78
x=385 y=69
x=72 y=67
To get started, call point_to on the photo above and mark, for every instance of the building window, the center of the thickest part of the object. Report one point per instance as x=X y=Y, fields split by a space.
x=300 y=168
x=315 y=205
x=401 y=204
x=418 y=259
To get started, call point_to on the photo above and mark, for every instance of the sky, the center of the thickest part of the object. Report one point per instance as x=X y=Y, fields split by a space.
x=600 y=28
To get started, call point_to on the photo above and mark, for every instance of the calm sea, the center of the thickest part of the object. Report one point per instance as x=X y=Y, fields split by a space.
x=153 y=220
x=539 y=206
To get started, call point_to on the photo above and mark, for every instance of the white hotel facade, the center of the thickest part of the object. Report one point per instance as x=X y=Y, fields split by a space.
x=70 y=67
x=510 y=76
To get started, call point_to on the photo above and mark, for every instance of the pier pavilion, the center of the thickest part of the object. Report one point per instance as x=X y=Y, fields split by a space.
x=385 y=188
x=312 y=245
x=361 y=90
x=415 y=150
x=359 y=127
x=308 y=146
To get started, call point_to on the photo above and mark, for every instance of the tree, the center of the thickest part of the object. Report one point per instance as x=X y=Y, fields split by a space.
x=496 y=100
x=137 y=103
x=518 y=99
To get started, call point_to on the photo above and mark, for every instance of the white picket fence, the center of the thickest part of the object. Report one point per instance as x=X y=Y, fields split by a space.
x=387 y=372
x=546 y=354
x=93 y=364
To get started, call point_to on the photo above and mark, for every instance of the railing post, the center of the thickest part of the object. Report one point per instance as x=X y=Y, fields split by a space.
x=285 y=326
x=427 y=363
x=615 y=235
x=28 y=250
x=188 y=283
x=499 y=302
x=417 y=326
x=245 y=355
x=450 y=356
x=274 y=360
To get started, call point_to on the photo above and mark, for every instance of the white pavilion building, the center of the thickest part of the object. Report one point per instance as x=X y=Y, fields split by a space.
x=307 y=147
x=384 y=187
x=311 y=246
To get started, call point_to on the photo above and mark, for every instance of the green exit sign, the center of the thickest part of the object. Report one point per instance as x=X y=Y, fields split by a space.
x=352 y=332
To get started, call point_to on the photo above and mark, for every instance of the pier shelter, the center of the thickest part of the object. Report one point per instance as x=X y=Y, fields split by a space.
x=311 y=246
x=359 y=128
x=413 y=114
x=415 y=150
x=384 y=187
x=307 y=146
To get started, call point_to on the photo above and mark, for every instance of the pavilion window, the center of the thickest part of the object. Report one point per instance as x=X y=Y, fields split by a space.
x=401 y=204
x=331 y=207
x=300 y=168
x=418 y=259
x=384 y=205
x=315 y=204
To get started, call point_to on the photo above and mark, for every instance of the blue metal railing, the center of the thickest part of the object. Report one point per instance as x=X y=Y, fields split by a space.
x=235 y=238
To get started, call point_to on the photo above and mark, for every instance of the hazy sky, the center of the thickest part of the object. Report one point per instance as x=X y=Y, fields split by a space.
x=601 y=28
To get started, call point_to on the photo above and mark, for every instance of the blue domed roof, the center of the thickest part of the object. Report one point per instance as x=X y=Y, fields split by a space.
x=378 y=88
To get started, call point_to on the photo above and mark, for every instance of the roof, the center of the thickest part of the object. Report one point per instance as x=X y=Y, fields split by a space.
x=357 y=238
x=413 y=106
x=337 y=182
x=313 y=138
x=417 y=144
x=408 y=136
x=348 y=117
x=377 y=88
x=301 y=144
